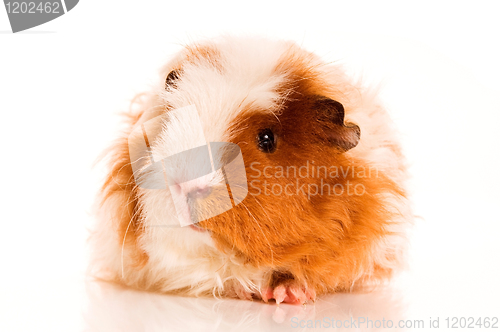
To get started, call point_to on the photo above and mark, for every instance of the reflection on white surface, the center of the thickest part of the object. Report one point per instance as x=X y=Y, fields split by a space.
x=113 y=308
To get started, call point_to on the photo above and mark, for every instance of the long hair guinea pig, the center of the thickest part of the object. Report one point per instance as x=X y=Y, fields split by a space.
x=325 y=208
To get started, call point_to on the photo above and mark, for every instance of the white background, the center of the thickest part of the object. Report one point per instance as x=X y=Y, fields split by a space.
x=63 y=83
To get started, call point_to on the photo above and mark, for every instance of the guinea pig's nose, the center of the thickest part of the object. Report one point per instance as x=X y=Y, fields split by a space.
x=199 y=193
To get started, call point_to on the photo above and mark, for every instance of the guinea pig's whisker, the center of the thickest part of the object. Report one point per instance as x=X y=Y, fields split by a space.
x=130 y=181
x=265 y=237
x=129 y=201
x=124 y=238
x=269 y=219
x=123 y=249
x=239 y=130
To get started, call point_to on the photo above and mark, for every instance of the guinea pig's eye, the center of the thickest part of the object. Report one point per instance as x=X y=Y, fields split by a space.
x=171 y=78
x=266 y=140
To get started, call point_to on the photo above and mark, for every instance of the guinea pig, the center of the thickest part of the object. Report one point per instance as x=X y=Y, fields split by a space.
x=322 y=207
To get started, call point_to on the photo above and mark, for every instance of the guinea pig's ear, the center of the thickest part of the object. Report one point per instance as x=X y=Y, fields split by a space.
x=331 y=116
x=172 y=77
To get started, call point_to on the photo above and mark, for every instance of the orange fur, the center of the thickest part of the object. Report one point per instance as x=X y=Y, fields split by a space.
x=323 y=242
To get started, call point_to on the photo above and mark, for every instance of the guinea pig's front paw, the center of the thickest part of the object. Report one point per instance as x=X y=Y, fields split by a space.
x=288 y=292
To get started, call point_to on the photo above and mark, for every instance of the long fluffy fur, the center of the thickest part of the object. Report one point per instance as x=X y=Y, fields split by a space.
x=326 y=244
